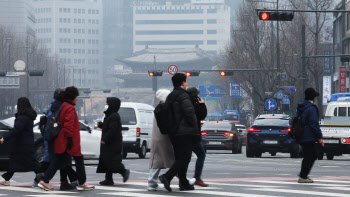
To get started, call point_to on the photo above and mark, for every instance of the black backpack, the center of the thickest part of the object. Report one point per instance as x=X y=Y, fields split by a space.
x=42 y=124
x=164 y=115
x=53 y=129
x=297 y=127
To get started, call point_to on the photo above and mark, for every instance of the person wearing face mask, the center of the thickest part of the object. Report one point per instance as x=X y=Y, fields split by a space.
x=312 y=133
x=110 y=160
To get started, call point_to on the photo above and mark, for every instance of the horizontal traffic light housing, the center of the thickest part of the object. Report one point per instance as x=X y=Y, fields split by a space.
x=193 y=73
x=276 y=16
x=36 y=73
x=345 y=59
x=155 y=73
x=226 y=73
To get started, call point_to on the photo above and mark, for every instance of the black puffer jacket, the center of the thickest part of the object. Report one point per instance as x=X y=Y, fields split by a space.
x=111 y=151
x=184 y=114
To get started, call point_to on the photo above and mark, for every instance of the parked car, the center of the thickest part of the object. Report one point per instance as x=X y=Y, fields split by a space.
x=137 y=123
x=243 y=130
x=90 y=140
x=270 y=133
x=221 y=135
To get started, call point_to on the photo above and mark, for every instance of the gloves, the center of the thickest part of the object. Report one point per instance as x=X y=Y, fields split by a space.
x=69 y=143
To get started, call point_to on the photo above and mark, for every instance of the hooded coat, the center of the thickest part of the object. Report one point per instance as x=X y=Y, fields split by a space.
x=111 y=151
x=310 y=117
x=162 y=153
x=22 y=156
x=70 y=128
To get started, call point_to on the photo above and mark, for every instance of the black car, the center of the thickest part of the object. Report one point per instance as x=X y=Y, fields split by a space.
x=5 y=127
x=221 y=135
x=270 y=133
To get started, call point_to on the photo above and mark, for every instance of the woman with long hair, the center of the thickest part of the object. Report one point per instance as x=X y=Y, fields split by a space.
x=22 y=156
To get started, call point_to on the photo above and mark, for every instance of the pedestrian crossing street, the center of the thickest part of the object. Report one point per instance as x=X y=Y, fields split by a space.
x=251 y=188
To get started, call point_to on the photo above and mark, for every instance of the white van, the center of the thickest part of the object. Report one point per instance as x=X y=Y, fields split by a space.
x=137 y=124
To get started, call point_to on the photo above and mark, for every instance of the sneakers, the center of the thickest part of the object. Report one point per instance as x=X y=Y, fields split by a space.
x=4 y=182
x=165 y=182
x=107 y=182
x=154 y=189
x=44 y=186
x=66 y=186
x=126 y=175
x=201 y=183
x=192 y=181
x=85 y=187
x=307 y=180
x=187 y=188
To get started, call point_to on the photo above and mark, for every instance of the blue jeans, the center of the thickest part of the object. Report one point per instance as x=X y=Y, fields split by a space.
x=46 y=157
x=198 y=149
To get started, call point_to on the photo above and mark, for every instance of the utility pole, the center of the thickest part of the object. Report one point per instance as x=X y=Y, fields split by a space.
x=27 y=65
x=333 y=53
x=278 y=51
x=303 y=54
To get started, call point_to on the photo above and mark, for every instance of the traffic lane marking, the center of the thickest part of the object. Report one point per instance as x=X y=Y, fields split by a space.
x=136 y=194
x=303 y=192
x=217 y=193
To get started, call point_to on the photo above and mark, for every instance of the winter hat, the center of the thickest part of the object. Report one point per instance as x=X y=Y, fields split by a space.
x=162 y=94
x=193 y=91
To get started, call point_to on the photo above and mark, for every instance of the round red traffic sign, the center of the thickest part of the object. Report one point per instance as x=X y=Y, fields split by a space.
x=172 y=69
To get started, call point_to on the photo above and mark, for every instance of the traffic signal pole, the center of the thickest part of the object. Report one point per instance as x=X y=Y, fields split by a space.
x=303 y=54
x=278 y=52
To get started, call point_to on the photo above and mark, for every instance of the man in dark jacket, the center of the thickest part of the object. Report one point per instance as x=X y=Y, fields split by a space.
x=201 y=112
x=312 y=133
x=110 y=160
x=182 y=137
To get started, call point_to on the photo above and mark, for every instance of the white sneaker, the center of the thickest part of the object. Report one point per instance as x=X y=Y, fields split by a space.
x=4 y=182
x=154 y=189
x=85 y=187
x=192 y=181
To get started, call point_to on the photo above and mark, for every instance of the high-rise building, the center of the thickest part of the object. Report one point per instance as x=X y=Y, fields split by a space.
x=72 y=31
x=205 y=23
x=18 y=16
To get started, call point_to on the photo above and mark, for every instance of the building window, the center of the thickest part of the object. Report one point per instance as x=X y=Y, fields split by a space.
x=169 y=32
x=211 y=31
x=212 y=42
x=166 y=22
x=212 y=11
x=348 y=21
x=177 y=11
x=179 y=42
x=211 y=21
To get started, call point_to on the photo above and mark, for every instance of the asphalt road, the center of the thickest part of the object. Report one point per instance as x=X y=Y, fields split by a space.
x=227 y=174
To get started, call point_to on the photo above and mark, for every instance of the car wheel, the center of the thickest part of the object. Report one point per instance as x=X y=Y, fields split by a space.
x=39 y=152
x=330 y=156
x=249 y=152
x=143 y=151
x=235 y=150
x=273 y=154
x=258 y=154
x=125 y=154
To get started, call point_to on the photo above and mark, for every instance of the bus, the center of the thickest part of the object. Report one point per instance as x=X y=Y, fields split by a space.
x=232 y=116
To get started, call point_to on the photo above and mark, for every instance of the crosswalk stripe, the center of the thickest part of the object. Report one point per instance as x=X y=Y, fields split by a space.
x=117 y=188
x=48 y=195
x=136 y=194
x=296 y=183
x=304 y=192
x=242 y=185
x=334 y=181
x=34 y=190
x=335 y=188
x=172 y=186
x=217 y=193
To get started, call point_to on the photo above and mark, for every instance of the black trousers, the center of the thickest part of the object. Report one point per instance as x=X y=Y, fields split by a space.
x=65 y=170
x=8 y=175
x=120 y=169
x=310 y=156
x=59 y=163
x=182 y=146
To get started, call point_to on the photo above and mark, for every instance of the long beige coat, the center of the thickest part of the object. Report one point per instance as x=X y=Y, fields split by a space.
x=162 y=153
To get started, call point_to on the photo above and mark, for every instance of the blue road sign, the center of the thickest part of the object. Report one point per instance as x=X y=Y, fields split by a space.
x=279 y=95
x=284 y=77
x=291 y=90
x=235 y=90
x=270 y=104
x=213 y=91
x=286 y=101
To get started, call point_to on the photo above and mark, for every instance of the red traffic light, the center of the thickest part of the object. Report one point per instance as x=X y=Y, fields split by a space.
x=188 y=74
x=151 y=74
x=222 y=73
x=265 y=16
x=226 y=73
x=155 y=73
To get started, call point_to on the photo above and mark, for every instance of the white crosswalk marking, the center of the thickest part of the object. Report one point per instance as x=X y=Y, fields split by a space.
x=334 y=181
x=217 y=193
x=243 y=185
x=135 y=194
x=33 y=190
x=296 y=183
x=303 y=192
x=48 y=195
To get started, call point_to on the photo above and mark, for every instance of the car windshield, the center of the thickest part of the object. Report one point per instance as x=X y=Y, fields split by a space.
x=4 y=126
x=272 y=121
x=217 y=126
x=127 y=116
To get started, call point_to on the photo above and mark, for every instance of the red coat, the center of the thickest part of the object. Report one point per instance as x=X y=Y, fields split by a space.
x=69 y=123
